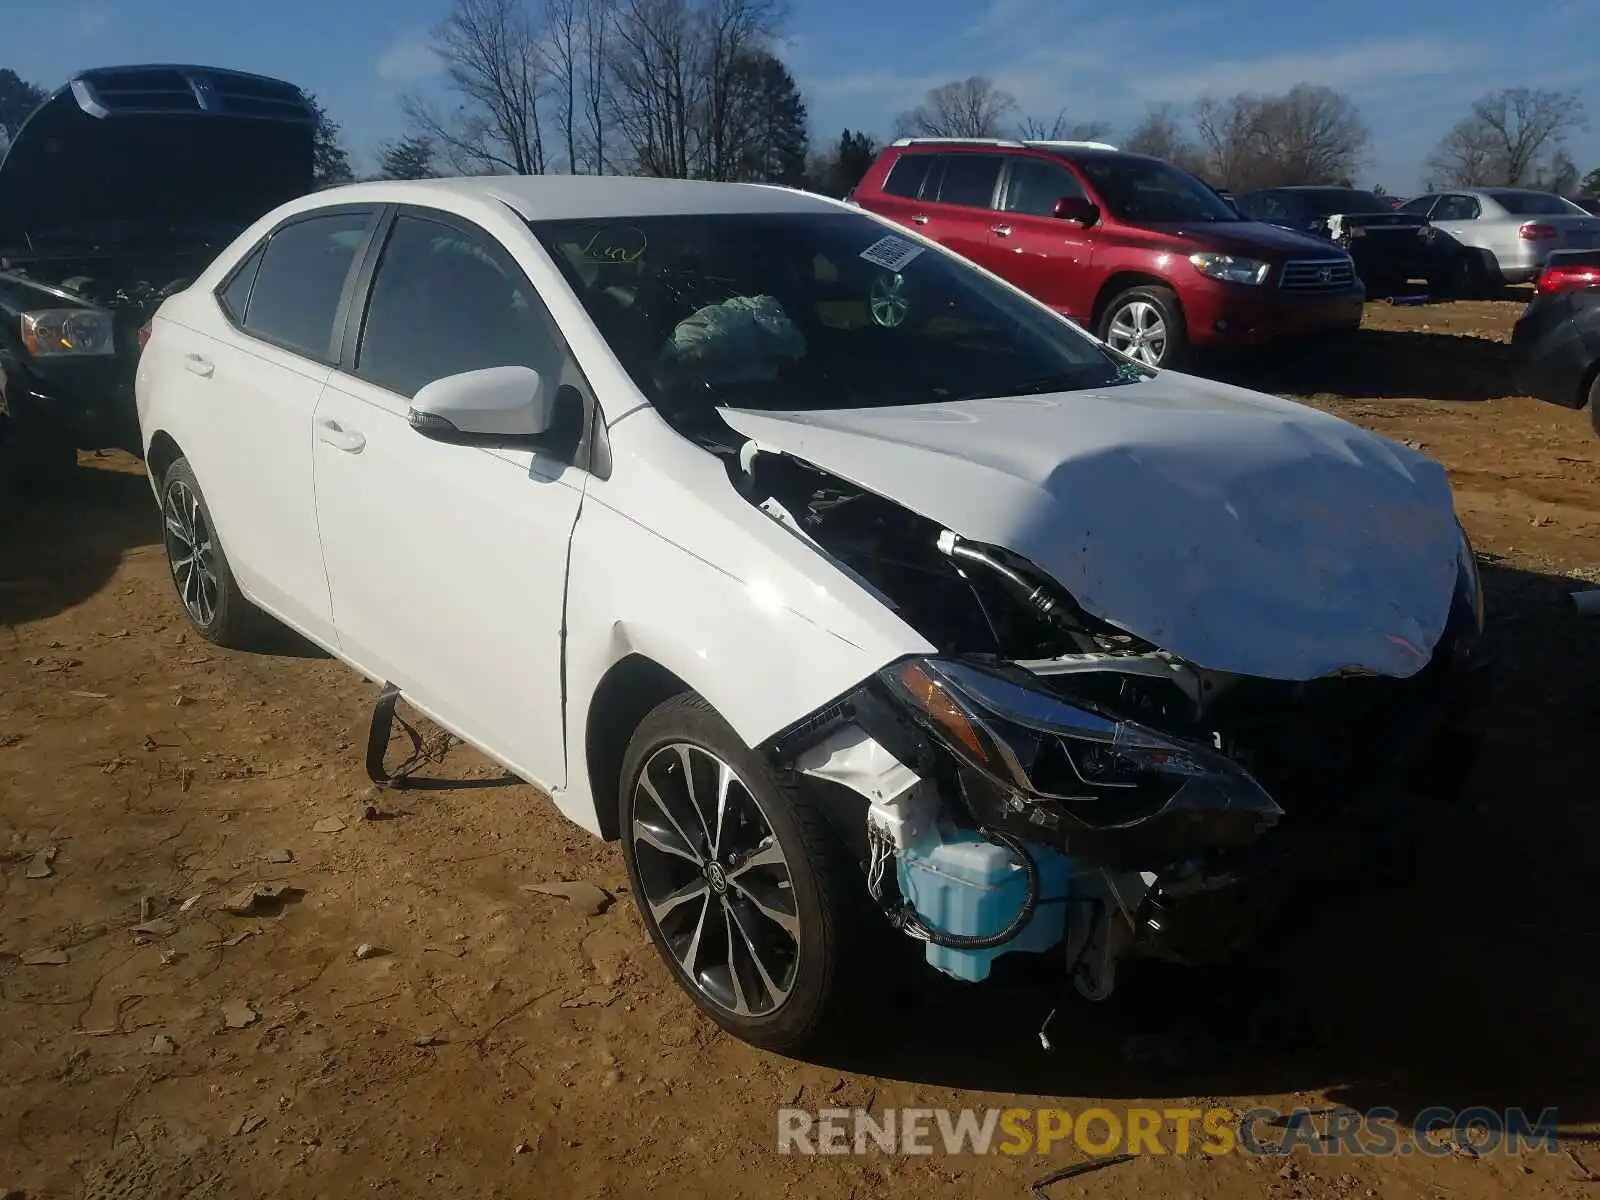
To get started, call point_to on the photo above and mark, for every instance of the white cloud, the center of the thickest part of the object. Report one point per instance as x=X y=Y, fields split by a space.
x=91 y=20
x=1351 y=67
x=407 y=59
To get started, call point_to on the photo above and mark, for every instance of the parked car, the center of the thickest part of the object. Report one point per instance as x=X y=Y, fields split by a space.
x=829 y=573
x=1389 y=248
x=1145 y=255
x=113 y=194
x=1509 y=232
x=1555 y=345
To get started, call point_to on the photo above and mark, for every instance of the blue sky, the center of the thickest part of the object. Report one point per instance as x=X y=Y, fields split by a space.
x=1412 y=65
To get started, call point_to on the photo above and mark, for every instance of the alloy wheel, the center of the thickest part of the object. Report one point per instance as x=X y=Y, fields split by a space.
x=1138 y=330
x=715 y=881
x=192 y=552
x=889 y=301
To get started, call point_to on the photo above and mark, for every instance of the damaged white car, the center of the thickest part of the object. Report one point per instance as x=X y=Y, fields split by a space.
x=823 y=569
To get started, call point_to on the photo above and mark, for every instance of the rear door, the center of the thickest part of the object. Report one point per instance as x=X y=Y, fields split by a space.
x=250 y=391
x=962 y=213
x=1046 y=257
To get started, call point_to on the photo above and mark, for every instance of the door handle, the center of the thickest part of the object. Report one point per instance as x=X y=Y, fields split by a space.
x=919 y=219
x=339 y=437
x=1002 y=230
x=198 y=364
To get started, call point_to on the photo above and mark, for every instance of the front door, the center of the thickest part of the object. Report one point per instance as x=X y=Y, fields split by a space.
x=448 y=563
x=1043 y=255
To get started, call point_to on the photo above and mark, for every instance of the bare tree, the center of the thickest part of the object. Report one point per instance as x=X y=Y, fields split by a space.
x=496 y=66
x=1510 y=138
x=655 y=84
x=563 y=52
x=1160 y=133
x=965 y=108
x=679 y=80
x=1310 y=134
x=1062 y=128
x=731 y=32
x=598 y=18
x=1313 y=134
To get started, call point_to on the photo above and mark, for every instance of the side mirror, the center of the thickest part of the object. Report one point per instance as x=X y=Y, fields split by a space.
x=510 y=407
x=1076 y=208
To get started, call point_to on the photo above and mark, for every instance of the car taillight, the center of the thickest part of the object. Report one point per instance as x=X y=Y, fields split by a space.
x=1568 y=279
x=144 y=334
x=1535 y=232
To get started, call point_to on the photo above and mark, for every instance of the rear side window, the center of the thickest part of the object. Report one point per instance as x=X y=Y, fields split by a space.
x=970 y=179
x=906 y=176
x=236 y=295
x=300 y=280
x=446 y=301
x=1533 y=204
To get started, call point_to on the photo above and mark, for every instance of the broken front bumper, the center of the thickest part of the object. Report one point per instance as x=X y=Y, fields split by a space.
x=1192 y=872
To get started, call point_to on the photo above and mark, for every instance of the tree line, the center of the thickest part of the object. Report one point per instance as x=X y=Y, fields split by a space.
x=699 y=89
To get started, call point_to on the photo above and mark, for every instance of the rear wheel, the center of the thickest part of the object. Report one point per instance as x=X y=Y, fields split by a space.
x=211 y=598
x=746 y=893
x=1594 y=402
x=1146 y=323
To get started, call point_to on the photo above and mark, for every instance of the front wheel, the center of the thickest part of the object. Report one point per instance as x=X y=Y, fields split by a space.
x=745 y=891
x=1146 y=323
x=211 y=598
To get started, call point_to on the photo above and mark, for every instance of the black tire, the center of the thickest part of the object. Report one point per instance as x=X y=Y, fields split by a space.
x=827 y=969
x=1594 y=402
x=1176 y=353
x=211 y=598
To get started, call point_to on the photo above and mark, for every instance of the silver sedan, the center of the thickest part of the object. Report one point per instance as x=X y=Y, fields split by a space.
x=1510 y=230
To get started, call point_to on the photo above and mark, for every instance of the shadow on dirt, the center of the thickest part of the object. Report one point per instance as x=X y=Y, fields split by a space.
x=57 y=551
x=1377 y=364
x=1474 y=982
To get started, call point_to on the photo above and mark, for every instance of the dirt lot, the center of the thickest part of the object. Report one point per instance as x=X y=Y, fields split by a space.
x=502 y=1043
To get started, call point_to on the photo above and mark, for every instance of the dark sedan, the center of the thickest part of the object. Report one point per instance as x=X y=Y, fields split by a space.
x=1389 y=247
x=1555 y=347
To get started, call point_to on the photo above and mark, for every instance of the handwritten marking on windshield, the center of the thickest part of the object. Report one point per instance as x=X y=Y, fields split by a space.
x=617 y=246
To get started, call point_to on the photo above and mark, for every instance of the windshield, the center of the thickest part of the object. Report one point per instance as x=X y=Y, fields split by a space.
x=1143 y=190
x=1535 y=204
x=790 y=311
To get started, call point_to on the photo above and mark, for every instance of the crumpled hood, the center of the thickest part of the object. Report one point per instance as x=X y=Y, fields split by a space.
x=1241 y=532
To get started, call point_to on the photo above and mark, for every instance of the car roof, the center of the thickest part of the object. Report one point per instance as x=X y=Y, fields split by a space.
x=561 y=197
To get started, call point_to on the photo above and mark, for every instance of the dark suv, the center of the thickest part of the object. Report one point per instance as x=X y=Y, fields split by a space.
x=1150 y=258
x=114 y=193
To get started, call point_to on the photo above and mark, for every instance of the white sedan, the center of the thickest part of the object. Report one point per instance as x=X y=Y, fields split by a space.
x=859 y=595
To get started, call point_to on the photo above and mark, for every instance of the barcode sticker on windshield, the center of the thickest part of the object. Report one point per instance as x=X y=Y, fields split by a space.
x=892 y=253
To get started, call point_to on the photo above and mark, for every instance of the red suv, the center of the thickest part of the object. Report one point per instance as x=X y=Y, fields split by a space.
x=1147 y=256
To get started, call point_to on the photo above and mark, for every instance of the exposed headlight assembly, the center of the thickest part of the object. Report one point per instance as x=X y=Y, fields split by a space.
x=1231 y=268
x=1112 y=774
x=67 y=332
